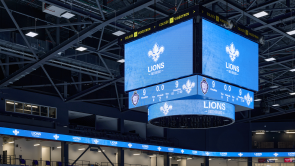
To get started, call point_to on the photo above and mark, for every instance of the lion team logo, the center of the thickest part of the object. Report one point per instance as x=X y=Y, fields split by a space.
x=232 y=51
x=166 y=108
x=248 y=98
x=188 y=86
x=204 y=86
x=135 y=98
x=155 y=53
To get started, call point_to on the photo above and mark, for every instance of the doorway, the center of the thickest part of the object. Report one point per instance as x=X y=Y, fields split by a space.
x=46 y=155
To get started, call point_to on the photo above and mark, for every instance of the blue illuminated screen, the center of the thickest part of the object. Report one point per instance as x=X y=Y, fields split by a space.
x=229 y=57
x=131 y=145
x=159 y=57
x=191 y=107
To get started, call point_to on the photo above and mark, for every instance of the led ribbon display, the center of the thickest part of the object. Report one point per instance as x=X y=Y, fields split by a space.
x=87 y=140
x=192 y=107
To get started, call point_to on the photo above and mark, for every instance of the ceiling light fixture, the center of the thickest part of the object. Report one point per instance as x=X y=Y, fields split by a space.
x=273 y=86
x=81 y=49
x=170 y=157
x=82 y=149
x=58 y=147
x=292 y=93
x=260 y=133
x=260 y=14
x=292 y=70
x=189 y=158
x=210 y=159
x=136 y=154
x=32 y=34
x=36 y=144
x=178 y=160
x=9 y=102
x=67 y=15
x=290 y=132
x=11 y=142
x=276 y=105
x=119 y=33
x=257 y=99
x=121 y=60
x=291 y=32
x=270 y=59
x=229 y=159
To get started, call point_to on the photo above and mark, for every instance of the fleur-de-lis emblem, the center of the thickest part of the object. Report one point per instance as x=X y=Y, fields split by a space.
x=182 y=150
x=159 y=148
x=232 y=51
x=188 y=86
x=56 y=136
x=15 y=132
x=240 y=154
x=155 y=53
x=248 y=98
x=95 y=141
x=165 y=109
x=276 y=154
x=129 y=145
x=207 y=153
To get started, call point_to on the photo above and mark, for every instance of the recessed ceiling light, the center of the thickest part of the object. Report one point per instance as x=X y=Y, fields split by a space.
x=178 y=160
x=257 y=99
x=290 y=132
x=260 y=133
x=81 y=49
x=121 y=60
x=136 y=154
x=9 y=102
x=270 y=59
x=119 y=33
x=58 y=147
x=210 y=159
x=292 y=93
x=32 y=34
x=189 y=158
x=292 y=70
x=273 y=86
x=170 y=157
x=67 y=15
x=82 y=149
x=36 y=144
x=291 y=32
x=229 y=159
x=11 y=142
x=276 y=105
x=260 y=14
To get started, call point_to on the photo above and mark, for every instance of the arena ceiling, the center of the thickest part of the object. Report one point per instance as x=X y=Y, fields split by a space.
x=50 y=64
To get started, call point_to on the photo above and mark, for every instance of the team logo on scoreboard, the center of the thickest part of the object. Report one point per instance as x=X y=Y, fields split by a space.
x=188 y=86
x=135 y=98
x=248 y=99
x=223 y=153
x=232 y=51
x=204 y=86
x=165 y=109
x=155 y=53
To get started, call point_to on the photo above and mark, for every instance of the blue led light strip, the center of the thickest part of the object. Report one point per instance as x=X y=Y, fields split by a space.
x=86 y=140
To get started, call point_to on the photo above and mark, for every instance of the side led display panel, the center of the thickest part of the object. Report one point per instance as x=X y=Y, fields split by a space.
x=159 y=57
x=229 y=57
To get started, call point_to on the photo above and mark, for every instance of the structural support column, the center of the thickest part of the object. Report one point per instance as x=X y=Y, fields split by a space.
x=64 y=153
x=120 y=157
x=206 y=161
x=166 y=159
x=249 y=163
x=120 y=125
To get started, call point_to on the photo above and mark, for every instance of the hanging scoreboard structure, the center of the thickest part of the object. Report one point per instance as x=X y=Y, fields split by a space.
x=189 y=58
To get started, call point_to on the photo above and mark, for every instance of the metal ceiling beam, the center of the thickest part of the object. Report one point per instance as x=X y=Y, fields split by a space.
x=18 y=28
x=99 y=99
x=257 y=8
x=289 y=18
x=256 y=19
x=46 y=26
x=79 y=11
x=163 y=14
x=60 y=84
x=93 y=28
x=92 y=89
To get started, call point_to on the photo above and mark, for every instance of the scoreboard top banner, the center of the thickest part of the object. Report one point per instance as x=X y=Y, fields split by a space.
x=183 y=16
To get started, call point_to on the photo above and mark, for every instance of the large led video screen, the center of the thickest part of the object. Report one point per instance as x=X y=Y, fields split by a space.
x=229 y=57
x=159 y=57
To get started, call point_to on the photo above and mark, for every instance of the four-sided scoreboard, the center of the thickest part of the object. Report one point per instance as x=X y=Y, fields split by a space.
x=189 y=60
